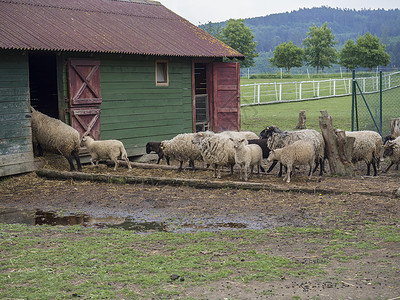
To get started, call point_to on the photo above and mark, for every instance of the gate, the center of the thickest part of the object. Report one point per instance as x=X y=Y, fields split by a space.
x=375 y=102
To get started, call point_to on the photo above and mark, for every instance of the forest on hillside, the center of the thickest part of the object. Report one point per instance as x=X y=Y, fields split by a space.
x=346 y=24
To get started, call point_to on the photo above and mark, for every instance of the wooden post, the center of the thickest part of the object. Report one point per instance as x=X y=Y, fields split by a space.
x=338 y=147
x=395 y=127
x=302 y=120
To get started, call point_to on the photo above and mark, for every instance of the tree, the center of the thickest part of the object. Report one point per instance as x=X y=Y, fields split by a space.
x=287 y=55
x=371 y=52
x=214 y=29
x=348 y=57
x=319 y=51
x=241 y=38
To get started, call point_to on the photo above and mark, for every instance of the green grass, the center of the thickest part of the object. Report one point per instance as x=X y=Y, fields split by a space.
x=285 y=115
x=45 y=262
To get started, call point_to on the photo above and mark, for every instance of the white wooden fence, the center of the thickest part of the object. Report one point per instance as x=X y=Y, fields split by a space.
x=266 y=93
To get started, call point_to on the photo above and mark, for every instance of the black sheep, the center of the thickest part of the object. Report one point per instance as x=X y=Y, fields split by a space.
x=156 y=147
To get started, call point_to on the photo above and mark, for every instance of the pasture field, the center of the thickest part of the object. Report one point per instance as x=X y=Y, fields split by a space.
x=285 y=115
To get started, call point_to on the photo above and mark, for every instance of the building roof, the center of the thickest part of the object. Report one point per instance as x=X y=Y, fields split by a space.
x=107 y=26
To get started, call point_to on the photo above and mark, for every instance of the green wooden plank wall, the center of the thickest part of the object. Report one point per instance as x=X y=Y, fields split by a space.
x=16 y=154
x=135 y=110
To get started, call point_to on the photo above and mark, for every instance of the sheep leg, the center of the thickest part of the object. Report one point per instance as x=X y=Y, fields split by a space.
x=262 y=169
x=218 y=171
x=387 y=169
x=91 y=161
x=71 y=164
x=245 y=175
x=75 y=154
x=375 y=168
x=311 y=168
x=288 y=171
x=232 y=165
x=115 y=164
x=159 y=158
x=180 y=166
x=128 y=163
x=272 y=166
x=191 y=164
x=167 y=159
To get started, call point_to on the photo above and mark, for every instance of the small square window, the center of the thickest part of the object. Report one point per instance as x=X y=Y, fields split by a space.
x=162 y=73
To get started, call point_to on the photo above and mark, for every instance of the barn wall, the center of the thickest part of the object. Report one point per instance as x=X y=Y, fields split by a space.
x=16 y=155
x=135 y=110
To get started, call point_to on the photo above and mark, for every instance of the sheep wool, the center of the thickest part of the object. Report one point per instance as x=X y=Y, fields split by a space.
x=217 y=150
x=374 y=137
x=105 y=149
x=182 y=149
x=247 y=156
x=296 y=154
x=392 y=151
x=55 y=136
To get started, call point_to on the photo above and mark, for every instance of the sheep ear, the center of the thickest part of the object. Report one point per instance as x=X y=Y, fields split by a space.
x=242 y=140
x=231 y=139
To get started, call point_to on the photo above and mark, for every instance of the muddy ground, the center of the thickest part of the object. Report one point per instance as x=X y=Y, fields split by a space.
x=333 y=202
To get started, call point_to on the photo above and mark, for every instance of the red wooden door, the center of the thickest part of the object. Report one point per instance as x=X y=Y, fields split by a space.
x=226 y=95
x=85 y=96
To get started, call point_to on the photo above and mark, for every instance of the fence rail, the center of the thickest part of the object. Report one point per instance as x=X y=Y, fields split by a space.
x=266 y=93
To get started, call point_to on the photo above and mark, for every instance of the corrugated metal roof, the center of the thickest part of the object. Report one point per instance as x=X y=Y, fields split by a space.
x=109 y=26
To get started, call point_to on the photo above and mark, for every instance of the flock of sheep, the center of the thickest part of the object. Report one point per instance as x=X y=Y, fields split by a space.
x=226 y=149
x=289 y=148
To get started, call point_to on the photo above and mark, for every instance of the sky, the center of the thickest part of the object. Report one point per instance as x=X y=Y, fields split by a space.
x=203 y=11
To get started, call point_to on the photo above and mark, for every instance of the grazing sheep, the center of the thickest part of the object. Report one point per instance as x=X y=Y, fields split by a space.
x=392 y=151
x=276 y=139
x=216 y=149
x=374 y=137
x=182 y=149
x=105 y=149
x=55 y=136
x=247 y=156
x=156 y=147
x=297 y=153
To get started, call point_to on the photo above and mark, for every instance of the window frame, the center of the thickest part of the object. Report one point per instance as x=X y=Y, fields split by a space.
x=165 y=72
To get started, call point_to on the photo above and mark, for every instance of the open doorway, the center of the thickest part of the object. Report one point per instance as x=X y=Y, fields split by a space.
x=201 y=97
x=43 y=83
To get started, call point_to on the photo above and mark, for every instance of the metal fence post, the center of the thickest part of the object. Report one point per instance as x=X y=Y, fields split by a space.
x=380 y=103
x=353 y=98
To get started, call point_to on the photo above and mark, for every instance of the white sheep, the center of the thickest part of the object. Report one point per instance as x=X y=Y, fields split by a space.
x=105 y=149
x=248 y=135
x=298 y=153
x=216 y=149
x=247 y=156
x=374 y=137
x=55 y=136
x=392 y=151
x=182 y=149
x=364 y=149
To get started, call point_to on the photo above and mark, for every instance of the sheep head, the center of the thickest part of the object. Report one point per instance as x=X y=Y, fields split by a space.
x=389 y=148
x=269 y=130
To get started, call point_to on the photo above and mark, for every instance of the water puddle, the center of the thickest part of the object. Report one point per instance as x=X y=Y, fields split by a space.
x=39 y=217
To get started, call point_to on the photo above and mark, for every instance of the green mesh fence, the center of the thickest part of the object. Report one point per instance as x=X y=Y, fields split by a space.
x=376 y=100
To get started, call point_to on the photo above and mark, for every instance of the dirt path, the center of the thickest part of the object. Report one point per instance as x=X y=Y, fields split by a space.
x=348 y=204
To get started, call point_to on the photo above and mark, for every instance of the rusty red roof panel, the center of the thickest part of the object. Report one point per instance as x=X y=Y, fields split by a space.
x=109 y=26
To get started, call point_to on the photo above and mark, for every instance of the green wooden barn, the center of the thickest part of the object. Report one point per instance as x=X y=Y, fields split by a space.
x=129 y=70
